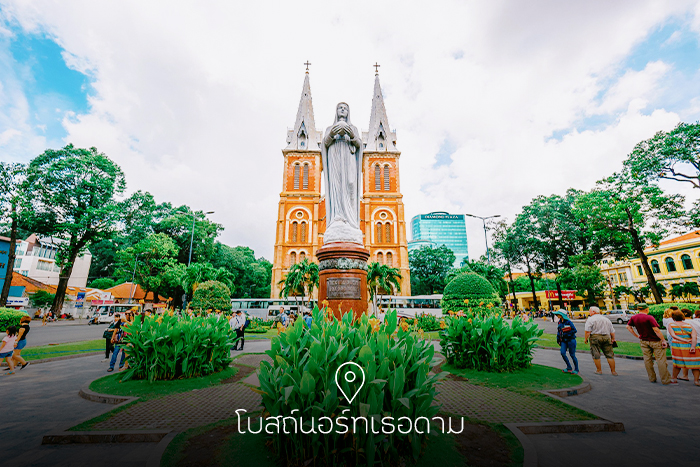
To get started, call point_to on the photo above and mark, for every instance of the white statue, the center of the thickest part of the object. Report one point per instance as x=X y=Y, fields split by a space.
x=341 y=156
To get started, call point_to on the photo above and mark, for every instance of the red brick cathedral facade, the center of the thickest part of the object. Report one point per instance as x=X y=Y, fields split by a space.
x=301 y=216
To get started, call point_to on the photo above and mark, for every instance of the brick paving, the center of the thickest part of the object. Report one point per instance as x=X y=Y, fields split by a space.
x=498 y=405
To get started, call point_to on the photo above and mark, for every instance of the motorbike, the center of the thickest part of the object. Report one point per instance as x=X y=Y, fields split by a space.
x=93 y=320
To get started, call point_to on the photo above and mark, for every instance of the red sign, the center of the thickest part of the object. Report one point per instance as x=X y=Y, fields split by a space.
x=102 y=302
x=565 y=294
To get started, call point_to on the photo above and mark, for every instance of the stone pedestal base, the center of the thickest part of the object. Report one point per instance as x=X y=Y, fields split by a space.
x=343 y=278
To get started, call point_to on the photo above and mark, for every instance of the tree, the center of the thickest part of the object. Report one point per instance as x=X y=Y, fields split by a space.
x=382 y=278
x=73 y=197
x=588 y=281
x=493 y=274
x=103 y=283
x=212 y=294
x=196 y=273
x=177 y=223
x=150 y=262
x=252 y=277
x=41 y=299
x=301 y=278
x=10 y=201
x=429 y=267
x=685 y=291
x=641 y=214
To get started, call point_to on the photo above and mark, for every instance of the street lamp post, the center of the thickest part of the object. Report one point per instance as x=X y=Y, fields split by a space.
x=133 y=276
x=486 y=238
x=189 y=260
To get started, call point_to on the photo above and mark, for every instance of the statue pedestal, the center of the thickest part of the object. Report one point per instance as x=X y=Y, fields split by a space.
x=343 y=278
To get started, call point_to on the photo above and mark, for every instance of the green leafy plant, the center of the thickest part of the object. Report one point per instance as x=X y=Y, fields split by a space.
x=657 y=311
x=425 y=322
x=300 y=383
x=212 y=294
x=41 y=299
x=10 y=317
x=259 y=326
x=468 y=290
x=488 y=342
x=169 y=347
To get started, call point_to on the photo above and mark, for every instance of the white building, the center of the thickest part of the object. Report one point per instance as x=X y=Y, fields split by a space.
x=36 y=259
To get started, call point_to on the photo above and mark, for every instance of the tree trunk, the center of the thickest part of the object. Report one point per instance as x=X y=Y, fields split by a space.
x=651 y=280
x=10 y=258
x=561 y=299
x=66 y=272
x=512 y=284
x=532 y=286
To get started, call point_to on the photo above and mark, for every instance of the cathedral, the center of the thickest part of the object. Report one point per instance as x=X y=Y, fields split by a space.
x=301 y=216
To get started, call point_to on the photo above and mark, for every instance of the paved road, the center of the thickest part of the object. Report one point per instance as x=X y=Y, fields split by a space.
x=58 y=333
x=621 y=332
x=660 y=421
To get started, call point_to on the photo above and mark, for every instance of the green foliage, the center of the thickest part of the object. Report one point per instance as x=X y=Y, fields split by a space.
x=300 y=382
x=301 y=279
x=103 y=283
x=10 y=317
x=41 y=299
x=488 y=342
x=657 y=310
x=196 y=273
x=382 y=279
x=252 y=277
x=473 y=288
x=429 y=267
x=259 y=326
x=588 y=281
x=169 y=347
x=150 y=261
x=212 y=294
x=425 y=321
x=685 y=291
x=492 y=273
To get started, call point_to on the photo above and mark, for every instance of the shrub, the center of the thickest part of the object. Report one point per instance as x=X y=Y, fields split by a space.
x=10 y=317
x=41 y=299
x=468 y=290
x=103 y=283
x=427 y=322
x=488 y=343
x=258 y=326
x=169 y=347
x=300 y=383
x=212 y=294
x=657 y=310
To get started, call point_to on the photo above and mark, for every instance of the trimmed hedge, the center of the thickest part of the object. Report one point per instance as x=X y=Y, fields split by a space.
x=10 y=317
x=657 y=311
x=212 y=294
x=469 y=286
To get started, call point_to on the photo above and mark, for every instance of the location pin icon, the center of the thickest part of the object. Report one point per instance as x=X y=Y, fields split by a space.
x=349 y=375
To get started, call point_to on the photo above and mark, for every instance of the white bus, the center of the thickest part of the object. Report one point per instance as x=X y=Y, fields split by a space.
x=268 y=308
x=412 y=306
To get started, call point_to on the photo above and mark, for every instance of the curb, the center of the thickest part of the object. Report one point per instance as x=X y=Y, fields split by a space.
x=57 y=359
x=628 y=357
x=101 y=437
x=93 y=396
x=583 y=426
x=572 y=391
x=529 y=450
x=157 y=454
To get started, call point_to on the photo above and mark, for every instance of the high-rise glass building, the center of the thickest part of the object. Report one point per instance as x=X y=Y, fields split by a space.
x=440 y=228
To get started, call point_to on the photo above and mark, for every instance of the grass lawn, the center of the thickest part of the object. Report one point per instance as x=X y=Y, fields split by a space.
x=112 y=384
x=48 y=351
x=534 y=378
x=624 y=348
x=267 y=335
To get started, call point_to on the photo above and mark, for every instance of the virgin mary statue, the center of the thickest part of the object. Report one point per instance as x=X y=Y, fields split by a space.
x=341 y=156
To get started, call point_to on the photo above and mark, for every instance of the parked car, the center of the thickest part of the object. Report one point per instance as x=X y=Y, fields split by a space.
x=619 y=316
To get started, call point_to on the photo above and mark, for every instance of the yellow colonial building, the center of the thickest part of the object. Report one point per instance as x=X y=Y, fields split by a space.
x=301 y=214
x=674 y=261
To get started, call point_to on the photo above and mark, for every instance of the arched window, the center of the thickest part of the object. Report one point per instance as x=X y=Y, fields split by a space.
x=387 y=179
x=379 y=232
x=302 y=256
x=295 y=228
x=292 y=258
x=305 y=183
x=377 y=178
x=670 y=264
x=687 y=262
x=302 y=237
x=655 y=267
x=380 y=258
x=296 y=176
x=387 y=233
x=390 y=259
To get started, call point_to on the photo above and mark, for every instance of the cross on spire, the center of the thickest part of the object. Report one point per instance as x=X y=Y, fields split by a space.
x=307 y=65
x=376 y=68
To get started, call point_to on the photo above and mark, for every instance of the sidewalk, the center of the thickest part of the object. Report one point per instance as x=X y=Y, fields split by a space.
x=660 y=421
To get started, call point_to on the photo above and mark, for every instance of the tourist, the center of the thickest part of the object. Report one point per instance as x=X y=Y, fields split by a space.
x=666 y=321
x=238 y=324
x=566 y=338
x=21 y=342
x=684 y=347
x=117 y=337
x=695 y=322
x=108 y=334
x=308 y=319
x=8 y=348
x=652 y=342
x=601 y=334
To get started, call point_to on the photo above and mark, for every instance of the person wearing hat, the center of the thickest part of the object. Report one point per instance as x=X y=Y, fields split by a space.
x=566 y=338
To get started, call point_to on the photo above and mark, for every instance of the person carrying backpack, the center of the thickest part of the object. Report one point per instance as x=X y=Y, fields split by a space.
x=566 y=338
x=117 y=337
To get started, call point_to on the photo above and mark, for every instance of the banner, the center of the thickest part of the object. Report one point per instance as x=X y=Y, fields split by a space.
x=565 y=294
x=80 y=299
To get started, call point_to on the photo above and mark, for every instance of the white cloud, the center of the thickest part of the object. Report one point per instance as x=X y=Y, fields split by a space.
x=194 y=101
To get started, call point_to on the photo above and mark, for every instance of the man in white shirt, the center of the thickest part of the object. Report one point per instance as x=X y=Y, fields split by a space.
x=237 y=323
x=601 y=334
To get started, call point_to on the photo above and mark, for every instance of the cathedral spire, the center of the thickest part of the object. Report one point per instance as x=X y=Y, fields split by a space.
x=379 y=137
x=304 y=135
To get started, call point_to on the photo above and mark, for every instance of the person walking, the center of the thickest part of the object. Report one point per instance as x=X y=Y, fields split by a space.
x=8 y=347
x=238 y=325
x=652 y=342
x=108 y=334
x=684 y=347
x=566 y=338
x=117 y=336
x=601 y=335
x=21 y=342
